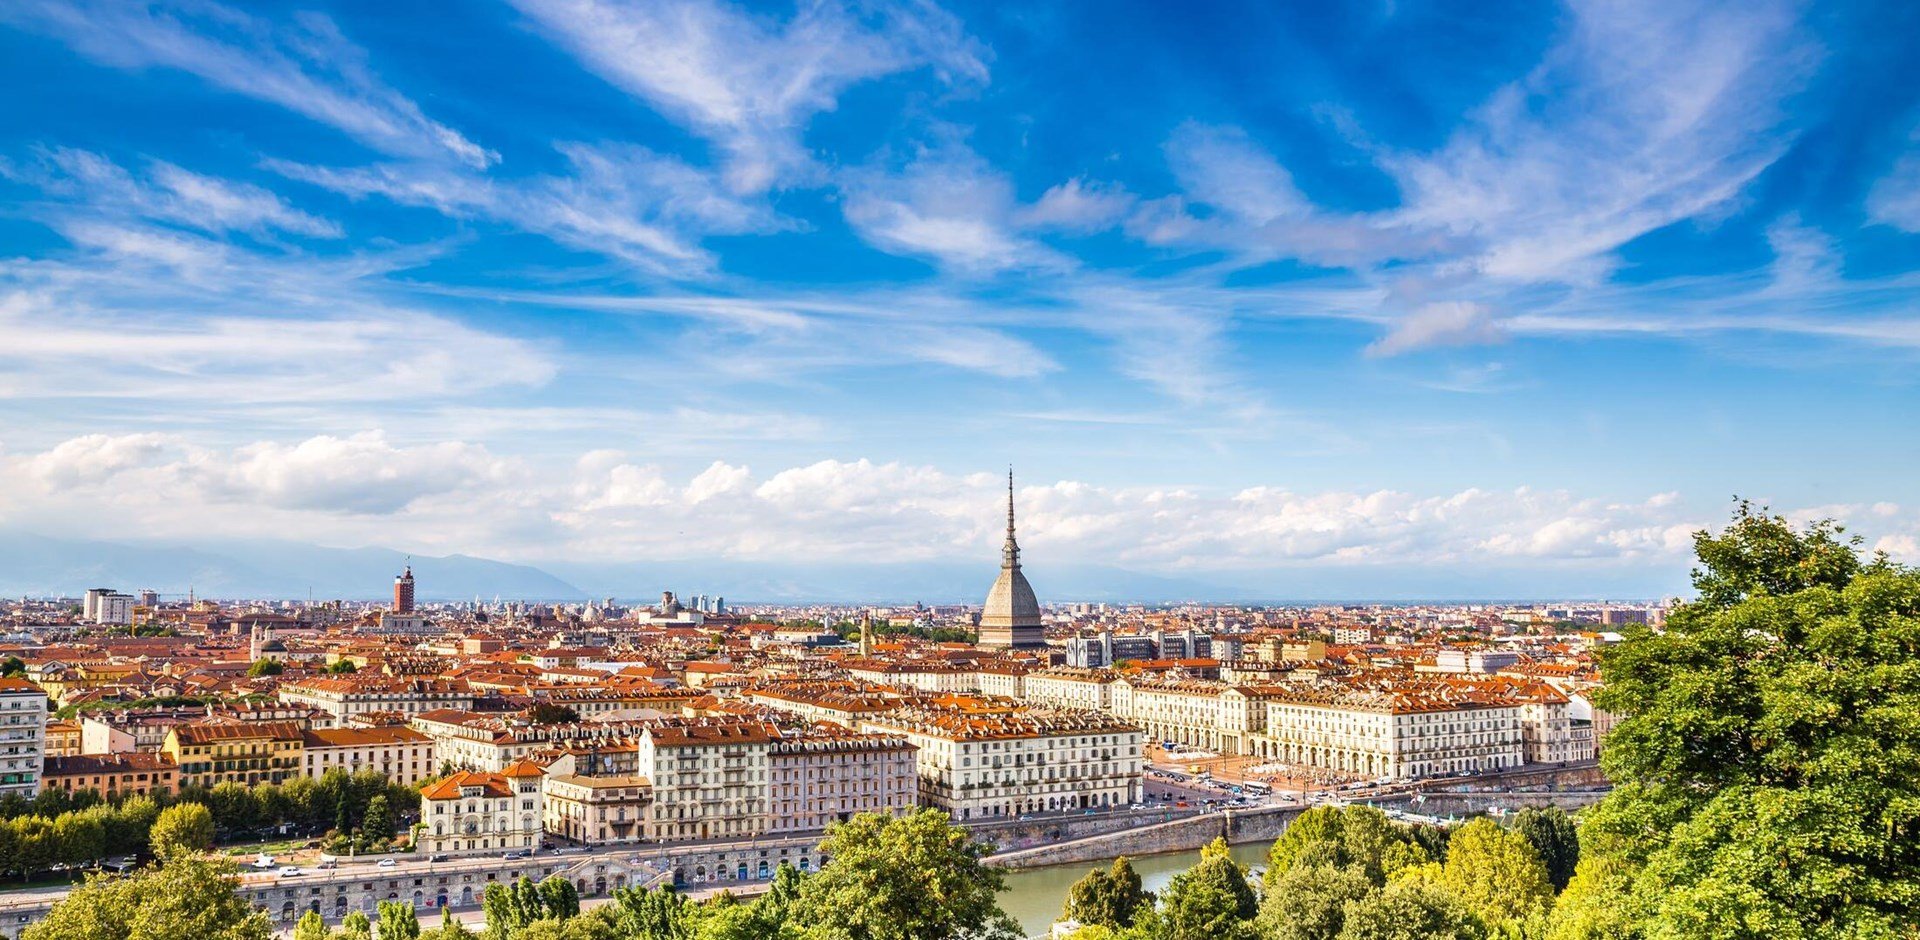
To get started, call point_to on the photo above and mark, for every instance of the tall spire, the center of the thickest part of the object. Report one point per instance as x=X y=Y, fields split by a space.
x=1010 y=553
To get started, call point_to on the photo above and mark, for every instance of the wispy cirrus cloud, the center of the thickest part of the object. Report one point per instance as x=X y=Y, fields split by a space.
x=163 y=193
x=748 y=83
x=619 y=200
x=303 y=64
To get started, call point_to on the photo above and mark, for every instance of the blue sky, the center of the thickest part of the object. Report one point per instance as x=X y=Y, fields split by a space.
x=1262 y=289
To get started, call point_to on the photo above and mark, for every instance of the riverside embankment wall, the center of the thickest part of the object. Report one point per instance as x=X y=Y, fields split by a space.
x=1262 y=824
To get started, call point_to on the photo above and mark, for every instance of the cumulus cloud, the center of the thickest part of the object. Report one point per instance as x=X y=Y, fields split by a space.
x=745 y=82
x=607 y=506
x=172 y=478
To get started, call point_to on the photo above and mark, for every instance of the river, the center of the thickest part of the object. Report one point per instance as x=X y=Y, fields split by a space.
x=1034 y=896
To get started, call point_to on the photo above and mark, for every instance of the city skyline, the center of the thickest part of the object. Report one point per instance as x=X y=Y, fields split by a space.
x=1253 y=301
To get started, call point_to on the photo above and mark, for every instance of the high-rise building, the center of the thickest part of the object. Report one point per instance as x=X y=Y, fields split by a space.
x=1011 y=617
x=23 y=735
x=403 y=592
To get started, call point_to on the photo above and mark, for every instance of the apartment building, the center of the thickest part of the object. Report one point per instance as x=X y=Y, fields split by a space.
x=710 y=778
x=346 y=696
x=474 y=812
x=598 y=810
x=23 y=734
x=827 y=773
x=1068 y=687
x=140 y=773
x=1393 y=729
x=983 y=760
x=246 y=753
x=404 y=755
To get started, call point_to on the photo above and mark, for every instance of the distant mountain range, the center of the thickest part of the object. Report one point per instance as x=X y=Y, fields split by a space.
x=39 y=565
x=42 y=565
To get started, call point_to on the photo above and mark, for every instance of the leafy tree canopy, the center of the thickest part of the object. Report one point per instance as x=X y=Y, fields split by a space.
x=1768 y=751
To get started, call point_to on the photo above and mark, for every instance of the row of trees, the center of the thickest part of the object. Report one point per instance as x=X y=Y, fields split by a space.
x=1345 y=874
x=83 y=828
x=917 y=878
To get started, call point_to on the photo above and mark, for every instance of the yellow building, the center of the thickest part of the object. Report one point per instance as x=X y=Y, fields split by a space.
x=247 y=753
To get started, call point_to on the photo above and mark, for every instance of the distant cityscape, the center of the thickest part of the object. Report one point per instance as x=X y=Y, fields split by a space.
x=695 y=723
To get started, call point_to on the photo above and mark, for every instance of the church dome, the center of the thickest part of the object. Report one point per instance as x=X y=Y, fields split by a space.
x=1011 y=617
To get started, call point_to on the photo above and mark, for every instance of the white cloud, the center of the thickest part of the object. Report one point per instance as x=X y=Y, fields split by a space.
x=619 y=200
x=1447 y=323
x=946 y=204
x=607 y=507
x=167 y=194
x=1077 y=205
x=1647 y=112
x=745 y=82
x=1895 y=198
x=305 y=65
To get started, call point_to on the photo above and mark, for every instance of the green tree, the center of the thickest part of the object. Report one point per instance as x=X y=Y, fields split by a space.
x=1109 y=898
x=311 y=927
x=449 y=929
x=265 y=667
x=378 y=822
x=547 y=713
x=344 y=667
x=1210 y=901
x=12 y=666
x=918 y=877
x=657 y=914
x=186 y=897
x=1496 y=873
x=185 y=828
x=559 y=897
x=356 y=926
x=398 y=921
x=1550 y=831
x=1344 y=836
x=1308 y=902
x=1598 y=903
x=233 y=807
x=1768 y=755
x=503 y=917
x=1410 y=909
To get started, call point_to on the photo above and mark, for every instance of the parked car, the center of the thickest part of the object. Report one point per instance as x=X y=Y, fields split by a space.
x=388 y=863
x=436 y=858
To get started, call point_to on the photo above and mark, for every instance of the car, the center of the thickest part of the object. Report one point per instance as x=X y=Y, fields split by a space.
x=264 y=861
x=436 y=858
x=513 y=855
x=388 y=863
x=290 y=871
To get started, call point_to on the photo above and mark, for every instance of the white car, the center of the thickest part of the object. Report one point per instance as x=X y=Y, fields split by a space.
x=291 y=871
x=264 y=861
x=388 y=863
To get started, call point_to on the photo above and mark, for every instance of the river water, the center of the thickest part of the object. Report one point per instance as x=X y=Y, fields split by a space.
x=1034 y=896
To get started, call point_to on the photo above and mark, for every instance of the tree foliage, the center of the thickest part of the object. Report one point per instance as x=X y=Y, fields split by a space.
x=1410 y=909
x=1109 y=898
x=1768 y=757
x=1210 y=901
x=1308 y=902
x=917 y=877
x=183 y=829
x=1495 y=873
x=186 y=897
x=1551 y=833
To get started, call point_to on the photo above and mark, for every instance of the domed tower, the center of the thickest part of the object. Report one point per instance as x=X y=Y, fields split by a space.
x=1011 y=618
